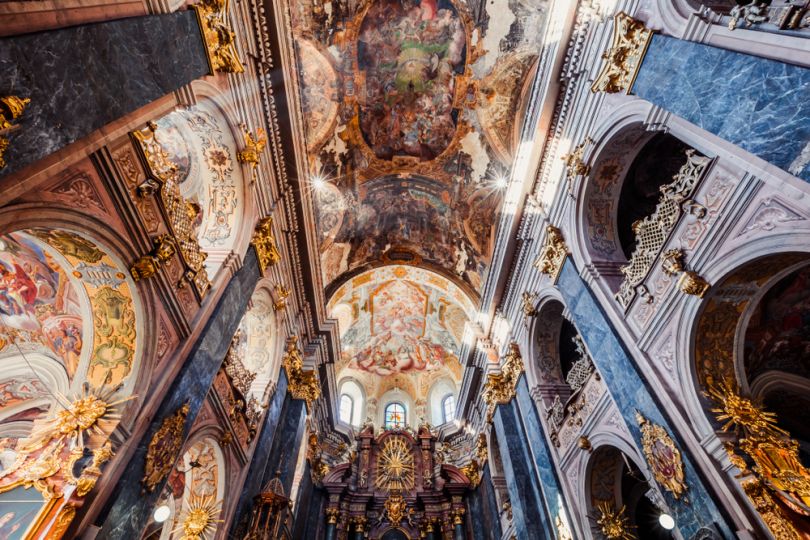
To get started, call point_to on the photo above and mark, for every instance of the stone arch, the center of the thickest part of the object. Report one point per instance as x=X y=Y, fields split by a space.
x=746 y=307
x=203 y=142
x=614 y=473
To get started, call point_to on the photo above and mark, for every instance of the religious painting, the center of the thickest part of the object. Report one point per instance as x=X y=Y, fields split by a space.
x=662 y=456
x=19 y=508
x=409 y=52
x=38 y=303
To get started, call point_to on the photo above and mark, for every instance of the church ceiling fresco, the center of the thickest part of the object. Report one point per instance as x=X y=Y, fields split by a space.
x=412 y=112
x=400 y=325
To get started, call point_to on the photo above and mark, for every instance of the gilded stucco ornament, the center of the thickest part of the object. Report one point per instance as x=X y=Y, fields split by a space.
x=662 y=456
x=612 y=523
x=220 y=40
x=90 y=475
x=552 y=256
x=689 y=282
x=164 y=448
x=281 y=292
x=303 y=384
x=575 y=163
x=148 y=265
x=11 y=107
x=500 y=387
x=622 y=60
x=472 y=470
x=264 y=242
x=332 y=515
x=396 y=508
x=254 y=147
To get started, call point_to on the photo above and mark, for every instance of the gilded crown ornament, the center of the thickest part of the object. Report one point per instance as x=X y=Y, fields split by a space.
x=622 y=61
x=552 y=256
x=264 y=242
x=220 y=40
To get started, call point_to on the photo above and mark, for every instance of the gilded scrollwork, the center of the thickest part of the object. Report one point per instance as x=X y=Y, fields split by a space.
x=11 y=107
x=622 y=60
x=220 y=40
x=500 y=387
x=264 y=242
x=553 y=254
x=303 y=384
x=164 y=448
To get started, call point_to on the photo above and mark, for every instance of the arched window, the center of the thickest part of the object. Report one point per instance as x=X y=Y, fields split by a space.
x=394 y=416
x=448 y=408
x=346 y=408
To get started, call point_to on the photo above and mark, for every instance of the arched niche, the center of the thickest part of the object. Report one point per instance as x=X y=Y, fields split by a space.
x=202 y=144
x=615 y=484
x=750 y=343
x=623 y=188
x=198 y=481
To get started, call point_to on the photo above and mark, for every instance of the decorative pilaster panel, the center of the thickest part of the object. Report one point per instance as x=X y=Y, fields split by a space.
x=758 y=104
x=81 y=78
x=631 y=394
x=529 y=509
x=131 y=509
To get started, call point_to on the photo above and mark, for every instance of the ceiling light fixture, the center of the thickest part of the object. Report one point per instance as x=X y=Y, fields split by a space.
x=162 y=513
x=666 y=521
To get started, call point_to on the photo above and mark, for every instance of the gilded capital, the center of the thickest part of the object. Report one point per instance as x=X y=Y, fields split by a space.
x=303 y=384
x=552 y=256
x=265 y=244
x=220 y=40
x=622 y=60
x=500 y=387
x=332 y=515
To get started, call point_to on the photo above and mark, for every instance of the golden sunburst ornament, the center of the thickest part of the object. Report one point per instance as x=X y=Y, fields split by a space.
x=614 y=524
x=200 y=518
x=395 y=465
x=93 y=411
x=741 y=413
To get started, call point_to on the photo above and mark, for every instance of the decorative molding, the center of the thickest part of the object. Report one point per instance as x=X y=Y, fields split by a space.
x=623 y=59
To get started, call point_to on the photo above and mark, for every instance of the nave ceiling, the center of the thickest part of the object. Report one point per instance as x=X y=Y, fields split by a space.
x=412 y=112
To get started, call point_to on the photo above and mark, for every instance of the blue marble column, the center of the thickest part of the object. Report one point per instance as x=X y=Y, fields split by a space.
x=760 y=105
x=483 y=517
x=529 y=512
x=130 y=510
x=631 y=393
x=259 y=463
x=81 y=78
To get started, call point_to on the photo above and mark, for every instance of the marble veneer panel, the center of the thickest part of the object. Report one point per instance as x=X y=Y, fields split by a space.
x=540 y=450
x=631 y=393
x=758 y=104
x=79 y=79
x=483 y=518
x=130 y=510
x=528 y=507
